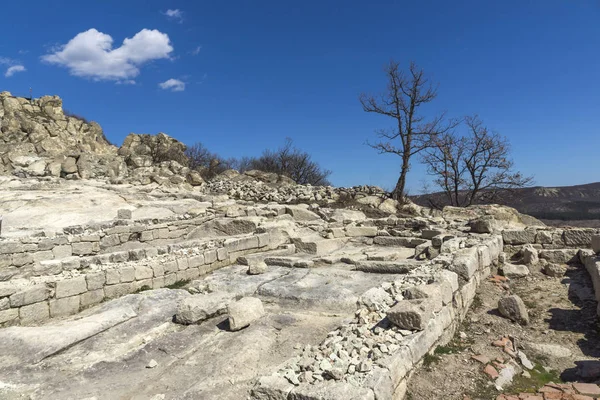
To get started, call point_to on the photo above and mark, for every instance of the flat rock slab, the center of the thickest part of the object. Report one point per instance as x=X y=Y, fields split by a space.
x=388 y=267
x=335 y=288
x=128 y=315
x=20 y=345
x=389 y=254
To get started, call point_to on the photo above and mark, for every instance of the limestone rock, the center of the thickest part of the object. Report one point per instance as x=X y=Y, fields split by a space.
x=198 y=308
x=555 y=270
x=256 y=266
x=244 y=312
x=376 y=299
x=596 y=244
x=529 y=254
x=412 y=314
x=514 y=271
x=484 y=224
x=513 y=308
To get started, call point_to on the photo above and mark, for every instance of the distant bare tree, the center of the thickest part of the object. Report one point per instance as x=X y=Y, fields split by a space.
x=411 y=133
x=199 y=156
x=474 y=168
x=292 y=162
x=207 y=163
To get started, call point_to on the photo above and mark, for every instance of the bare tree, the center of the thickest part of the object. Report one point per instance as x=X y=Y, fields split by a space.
x=292 y=162
x=474 y=168
x=207 y=163
x=412 y=133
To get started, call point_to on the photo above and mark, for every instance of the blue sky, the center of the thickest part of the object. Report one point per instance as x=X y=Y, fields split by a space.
x=241 y=76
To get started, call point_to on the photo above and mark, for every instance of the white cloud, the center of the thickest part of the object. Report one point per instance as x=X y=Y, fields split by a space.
x=7 y=61
x=13 y=66
x=196 y=51
x=174 y=85
x=13 y=70
x=90 y=54
x=176 y=15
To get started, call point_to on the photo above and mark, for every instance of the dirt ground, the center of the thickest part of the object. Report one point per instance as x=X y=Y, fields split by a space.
x=562 y=312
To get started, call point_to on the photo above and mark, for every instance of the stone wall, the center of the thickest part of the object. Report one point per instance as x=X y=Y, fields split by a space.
x=591 y=260
x=450 y=298
x=555 y=245
x=32 y=301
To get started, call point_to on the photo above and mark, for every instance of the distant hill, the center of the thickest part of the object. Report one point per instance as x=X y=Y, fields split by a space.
x=564 y=203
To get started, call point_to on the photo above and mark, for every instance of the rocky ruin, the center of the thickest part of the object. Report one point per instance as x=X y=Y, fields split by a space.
x=124 y=277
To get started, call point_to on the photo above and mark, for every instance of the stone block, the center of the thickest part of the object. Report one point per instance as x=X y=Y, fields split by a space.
x=10 y=315
x=146 y=236
x=196 y=261
x=158 y=282
x=222 y=253
x=6 y=289
x=412 y=314
x=118 y=290
x=465 y=262
x=96 y=280
x=210 y=256
x=157 y=270
x=49 y=267
x=109 y=241
x=70 y=287
x=171 y=266
x=356 y=231
x=92 y=297
x=124 y=213
x=64 y=306
x=411 y=242
x=559 y=256
x=82 y=248
x=596 y=244
x=113 y=276
x=145 y=284
x=170 y=279
x=29 y=295
x=519 y=236
x=581 y=237
x=240 y=244
x=71 y=263
x=21 y=259
x=127 y=274
x=34 y=313
x=182 y=263
x=142 y=272
x=318 y=247
x=543 y=237
x=42 y=256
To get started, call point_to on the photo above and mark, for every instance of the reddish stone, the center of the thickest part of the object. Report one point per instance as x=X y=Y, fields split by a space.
x=549 y=389
x=553 y=396
x=578 y=397
x=589 y=389
x=491 y=371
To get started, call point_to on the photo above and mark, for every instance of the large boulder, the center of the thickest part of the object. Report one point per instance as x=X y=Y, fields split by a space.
x=198 y=308
x=513 y=308
x=244 y=312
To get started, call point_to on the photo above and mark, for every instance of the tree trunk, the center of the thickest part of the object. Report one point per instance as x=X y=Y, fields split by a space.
x=398 y=193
